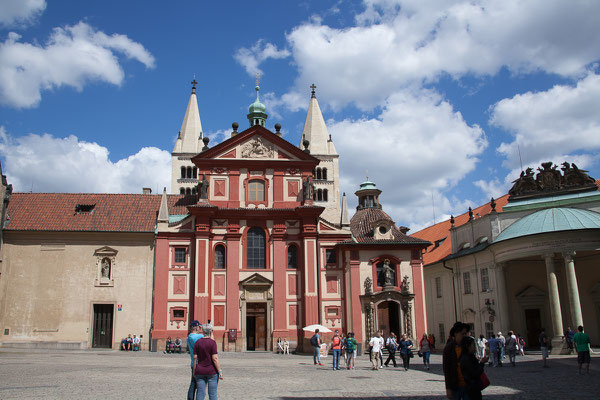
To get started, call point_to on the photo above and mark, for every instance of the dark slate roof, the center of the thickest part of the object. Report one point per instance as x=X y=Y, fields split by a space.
x=361 y=227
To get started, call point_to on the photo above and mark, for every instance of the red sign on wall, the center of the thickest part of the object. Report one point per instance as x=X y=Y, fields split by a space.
x=232 y=335
x=119 y=307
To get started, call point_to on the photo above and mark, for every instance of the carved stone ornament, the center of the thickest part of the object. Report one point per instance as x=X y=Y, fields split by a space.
x=405 y=285
x=257 y=148
x=550 y=181
x=219 y=170
x=368 y=285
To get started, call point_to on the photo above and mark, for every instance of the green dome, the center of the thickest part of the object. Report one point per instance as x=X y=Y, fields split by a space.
x=551 y=220
x=366 y=185
x=257 y=106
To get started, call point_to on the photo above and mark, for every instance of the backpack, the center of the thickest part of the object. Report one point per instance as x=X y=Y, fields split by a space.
x=314 y=341
x=349 y=346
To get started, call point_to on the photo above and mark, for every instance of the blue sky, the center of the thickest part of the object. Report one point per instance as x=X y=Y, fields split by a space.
x=434 y=97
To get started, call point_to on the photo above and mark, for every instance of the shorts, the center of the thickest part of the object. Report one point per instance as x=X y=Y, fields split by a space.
x=583 y=357
x=354 y=353
x=544 y=352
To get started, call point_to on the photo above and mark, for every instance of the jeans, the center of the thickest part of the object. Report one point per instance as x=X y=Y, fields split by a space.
x=502 y=353
x=392 y=358
x=336 y=358
x=426 y=357
x=202 y=381
x=460 y=394
x=494 y=358
x=192 y=388
x=406 y=360
x=511 y=356
x=317 y=355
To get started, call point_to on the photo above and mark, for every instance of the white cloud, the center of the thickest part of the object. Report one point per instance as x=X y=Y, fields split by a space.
x=73 y=56
x=416 y=147
x=493 y=188
x=51 y=164
x=407 y=42
x=560 y=123
x=20 y=12
x=251 y=58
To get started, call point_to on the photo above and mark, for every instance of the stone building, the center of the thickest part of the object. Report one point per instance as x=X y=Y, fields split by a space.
x=523 y=262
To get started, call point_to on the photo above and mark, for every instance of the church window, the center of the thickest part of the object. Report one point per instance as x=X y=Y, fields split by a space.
x=195 y=172
x=467 y=282
x=319 y=173
x=324 y=174
x=183 y=172
x=189 y=172
x=181 y=190
x=485 y=280
x=443 y=333
x=319 y=195
x=330 y=256
x=438 y=287
x=193 y=190
x=256 y=190
x=180 y=255
x=324 y=194
x=381 y=274
x=292 y=257
x=256 y=248
x=382 y=230
x=188 y=191
x=219 y=256
x=178 y=313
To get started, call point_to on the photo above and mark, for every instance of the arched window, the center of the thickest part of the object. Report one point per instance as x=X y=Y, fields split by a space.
x=324 y=194
x=195 y=171
x=319 y=173
x=219 y=256
x=319 y=195
x=181 y=190
x=193 y=190
x=188 y=191
x=324 y=174
x=183 y=172
x=189 y=172
x=256 y=249
x=292 y=257
x=256 y=190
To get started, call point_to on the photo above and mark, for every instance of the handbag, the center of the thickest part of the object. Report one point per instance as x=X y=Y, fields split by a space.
x=485 y=382
x=419 y=353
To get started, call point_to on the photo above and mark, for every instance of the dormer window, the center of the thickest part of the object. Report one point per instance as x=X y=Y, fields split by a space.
x=383 y=230
x=84 y=208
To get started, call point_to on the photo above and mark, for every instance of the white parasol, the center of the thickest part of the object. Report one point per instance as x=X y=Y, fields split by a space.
x=312 y=328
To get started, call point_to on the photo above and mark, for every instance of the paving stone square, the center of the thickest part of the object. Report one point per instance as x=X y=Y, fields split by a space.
x=28 y=374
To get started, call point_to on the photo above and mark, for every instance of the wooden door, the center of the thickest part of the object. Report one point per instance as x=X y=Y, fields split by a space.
x=102 y=335
x=533 y=321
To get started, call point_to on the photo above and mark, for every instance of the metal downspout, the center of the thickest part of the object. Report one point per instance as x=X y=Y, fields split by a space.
x=453 y=290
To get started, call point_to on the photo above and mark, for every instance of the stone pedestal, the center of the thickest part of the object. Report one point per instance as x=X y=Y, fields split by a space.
x=558 y=346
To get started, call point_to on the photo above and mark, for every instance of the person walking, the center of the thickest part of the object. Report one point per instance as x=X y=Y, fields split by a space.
x=351 y=346
x=376 y=343
x=315 y=341
x=521 y=343
x=501 y=346
x=382 y=340
x=511 y=348
x=481 y=342
x=392 y=345
x=544 y=347
x=582 y=345
x=471 y=368
x=456 y=386
x=432 y=341
x=406 y=346
x=336 y=346
x=495 y=351
x=569 y=334
x=195 y=334
x=425 y=348
x=207 y=370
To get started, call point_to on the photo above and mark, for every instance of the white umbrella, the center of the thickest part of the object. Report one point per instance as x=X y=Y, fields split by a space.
x=312 y=328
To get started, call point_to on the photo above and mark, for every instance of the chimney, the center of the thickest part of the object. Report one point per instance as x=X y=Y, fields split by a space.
x=146 y=191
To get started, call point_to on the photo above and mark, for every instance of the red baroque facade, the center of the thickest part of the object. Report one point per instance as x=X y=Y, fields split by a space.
x=260 y=262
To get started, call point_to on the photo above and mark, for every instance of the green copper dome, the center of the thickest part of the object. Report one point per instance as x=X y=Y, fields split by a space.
x=558 y=219
x=256 y=111
x=366 y=185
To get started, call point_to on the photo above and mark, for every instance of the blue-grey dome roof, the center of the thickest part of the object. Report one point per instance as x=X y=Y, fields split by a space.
x=551 y=220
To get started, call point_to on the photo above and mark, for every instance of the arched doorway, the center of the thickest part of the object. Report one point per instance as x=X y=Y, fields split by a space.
x=389 y=317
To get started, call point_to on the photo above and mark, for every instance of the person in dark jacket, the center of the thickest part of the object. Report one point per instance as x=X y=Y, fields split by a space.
x=471 y=368
x=456 y=386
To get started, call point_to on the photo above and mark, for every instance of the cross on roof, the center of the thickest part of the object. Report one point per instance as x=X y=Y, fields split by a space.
x=257 y=78
x=313 y=87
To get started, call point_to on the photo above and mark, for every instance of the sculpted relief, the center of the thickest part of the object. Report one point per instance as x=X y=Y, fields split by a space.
x=257 y=148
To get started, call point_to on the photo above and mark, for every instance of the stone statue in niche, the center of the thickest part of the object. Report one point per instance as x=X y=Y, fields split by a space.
x=388 y=274
x=368 y=285
x=105 y=268
x=203 y=187
x=405 y=286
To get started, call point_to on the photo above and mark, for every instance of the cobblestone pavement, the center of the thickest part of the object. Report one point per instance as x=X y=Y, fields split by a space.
x=26 y=374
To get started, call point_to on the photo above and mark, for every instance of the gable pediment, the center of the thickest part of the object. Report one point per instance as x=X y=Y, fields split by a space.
x=105 y=251
x=531 y=291
x=256 y=280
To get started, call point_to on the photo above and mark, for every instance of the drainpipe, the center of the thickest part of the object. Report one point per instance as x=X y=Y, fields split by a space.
x=319 y=276
x=453 y=290
x=153 y=280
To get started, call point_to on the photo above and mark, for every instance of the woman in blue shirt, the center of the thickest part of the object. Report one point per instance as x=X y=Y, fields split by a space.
x=406 y=346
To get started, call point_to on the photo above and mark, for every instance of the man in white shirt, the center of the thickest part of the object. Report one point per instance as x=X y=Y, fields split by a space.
x=376 y=344
x=136 y=343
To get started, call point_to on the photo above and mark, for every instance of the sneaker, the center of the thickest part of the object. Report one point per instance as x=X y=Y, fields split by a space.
x=381 y=366
x=320 y=364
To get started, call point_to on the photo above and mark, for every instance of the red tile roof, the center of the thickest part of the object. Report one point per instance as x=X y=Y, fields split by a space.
x=441 y=230
x=361 y=226
x=111 y=212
